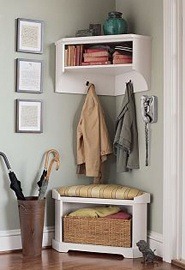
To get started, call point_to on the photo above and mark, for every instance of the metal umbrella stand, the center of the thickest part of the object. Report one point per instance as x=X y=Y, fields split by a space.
x=31 y=213
x=31 y=209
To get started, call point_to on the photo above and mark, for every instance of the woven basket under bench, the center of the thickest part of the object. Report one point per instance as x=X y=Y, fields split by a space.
x=97 y=231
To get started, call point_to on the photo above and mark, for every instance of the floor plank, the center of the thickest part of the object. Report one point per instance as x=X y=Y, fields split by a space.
x=53 y=260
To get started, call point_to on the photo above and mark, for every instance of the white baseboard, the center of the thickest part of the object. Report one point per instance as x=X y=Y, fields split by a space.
x=156 y=242
x=11 y=240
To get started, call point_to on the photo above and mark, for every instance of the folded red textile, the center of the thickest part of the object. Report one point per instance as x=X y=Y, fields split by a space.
x=120 y=215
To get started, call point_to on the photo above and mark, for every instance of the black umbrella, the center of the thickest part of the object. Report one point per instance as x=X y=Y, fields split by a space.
x=43 y=176
x=15 y=183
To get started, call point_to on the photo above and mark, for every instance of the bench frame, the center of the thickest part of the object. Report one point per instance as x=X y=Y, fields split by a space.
x=137 y=207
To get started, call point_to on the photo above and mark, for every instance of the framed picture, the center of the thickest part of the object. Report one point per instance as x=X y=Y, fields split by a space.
x=96 y=28
x=29 y=116
x=29 y=76
x=30 y=35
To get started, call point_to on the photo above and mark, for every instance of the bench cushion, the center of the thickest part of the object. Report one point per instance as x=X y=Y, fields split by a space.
x=104 y=191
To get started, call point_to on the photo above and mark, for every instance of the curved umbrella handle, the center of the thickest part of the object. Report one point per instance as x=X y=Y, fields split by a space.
x=5 y=160
x=55 y=154
x=50 y=167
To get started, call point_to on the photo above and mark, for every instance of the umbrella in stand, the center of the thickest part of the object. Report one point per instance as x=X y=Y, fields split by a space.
x=15 y=183
x=56 y=155
x=43 y=183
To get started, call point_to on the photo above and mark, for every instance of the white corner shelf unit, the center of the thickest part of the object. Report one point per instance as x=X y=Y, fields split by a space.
x=109 y=79
x=137 y=208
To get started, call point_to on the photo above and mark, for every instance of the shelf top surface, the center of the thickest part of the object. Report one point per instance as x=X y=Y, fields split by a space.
x=104 y=69
x=145 y=198
x=103 y=38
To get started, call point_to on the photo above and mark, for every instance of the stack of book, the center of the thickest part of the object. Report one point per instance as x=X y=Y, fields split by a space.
x=122 y=55
x=73 y=55
x=96 y=56
x=77 y=55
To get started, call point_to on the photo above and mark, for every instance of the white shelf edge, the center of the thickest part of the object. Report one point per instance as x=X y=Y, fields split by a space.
x=99 y=39
x=97 y=66
x=96 y=201
x=104 y=69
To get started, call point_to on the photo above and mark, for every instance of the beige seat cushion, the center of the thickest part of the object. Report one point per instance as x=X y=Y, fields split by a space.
x=109 y=191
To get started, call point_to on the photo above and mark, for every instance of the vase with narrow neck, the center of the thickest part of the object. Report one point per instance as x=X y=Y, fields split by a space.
x=115 y=24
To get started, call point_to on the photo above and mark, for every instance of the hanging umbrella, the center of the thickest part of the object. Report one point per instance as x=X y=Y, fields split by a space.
x=15 y=183
x=43 y=183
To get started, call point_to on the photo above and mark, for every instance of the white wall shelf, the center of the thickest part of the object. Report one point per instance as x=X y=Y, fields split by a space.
x=137 y=208
x=108 y=79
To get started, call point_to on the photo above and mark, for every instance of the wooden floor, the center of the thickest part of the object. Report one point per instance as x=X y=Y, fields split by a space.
x=51 y=259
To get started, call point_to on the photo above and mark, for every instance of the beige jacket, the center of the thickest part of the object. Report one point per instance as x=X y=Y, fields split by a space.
x=93 y=143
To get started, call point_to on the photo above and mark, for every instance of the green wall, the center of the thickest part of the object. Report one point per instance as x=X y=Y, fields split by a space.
x=61 y=111
x=145 y=17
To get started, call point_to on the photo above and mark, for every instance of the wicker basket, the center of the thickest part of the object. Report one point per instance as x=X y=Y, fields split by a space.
x=97 y=231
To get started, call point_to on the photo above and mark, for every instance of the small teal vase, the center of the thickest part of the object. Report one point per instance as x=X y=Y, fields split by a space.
x=115 y=24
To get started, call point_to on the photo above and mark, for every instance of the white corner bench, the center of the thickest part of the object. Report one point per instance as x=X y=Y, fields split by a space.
x=137 y=207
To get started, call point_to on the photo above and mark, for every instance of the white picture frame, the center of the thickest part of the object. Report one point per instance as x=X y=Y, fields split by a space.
x=30 y=35
x=29 y=77
x=29 y=116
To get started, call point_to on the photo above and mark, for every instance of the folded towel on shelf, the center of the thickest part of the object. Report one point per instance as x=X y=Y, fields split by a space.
x=120 y=215
x=95 y=211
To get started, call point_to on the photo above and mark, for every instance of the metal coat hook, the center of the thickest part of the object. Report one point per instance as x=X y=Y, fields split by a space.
x=128 y=82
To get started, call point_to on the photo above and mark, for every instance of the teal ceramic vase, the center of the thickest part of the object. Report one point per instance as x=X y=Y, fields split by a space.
x=115 y=24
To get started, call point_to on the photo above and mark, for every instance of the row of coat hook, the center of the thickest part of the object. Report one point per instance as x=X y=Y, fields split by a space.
x=87 y=83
